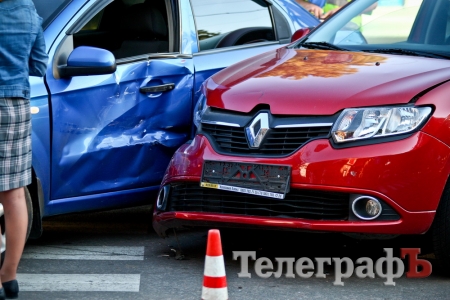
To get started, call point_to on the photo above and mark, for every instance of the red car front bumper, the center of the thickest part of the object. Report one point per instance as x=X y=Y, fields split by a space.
x=409 y=175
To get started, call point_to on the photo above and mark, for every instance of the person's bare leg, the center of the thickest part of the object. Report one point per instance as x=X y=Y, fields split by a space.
x=16 y=223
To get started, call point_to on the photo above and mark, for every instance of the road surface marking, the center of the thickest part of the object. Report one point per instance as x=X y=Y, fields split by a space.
x=84 y=252
x=79 y=282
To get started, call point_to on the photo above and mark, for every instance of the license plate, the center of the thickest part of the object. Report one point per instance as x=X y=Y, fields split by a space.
x=255 y=179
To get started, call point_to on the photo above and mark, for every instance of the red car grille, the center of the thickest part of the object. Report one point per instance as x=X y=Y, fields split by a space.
x=305 y=204
x=279 y=141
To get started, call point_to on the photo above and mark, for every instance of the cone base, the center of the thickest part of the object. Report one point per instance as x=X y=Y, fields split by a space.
x=214 y=294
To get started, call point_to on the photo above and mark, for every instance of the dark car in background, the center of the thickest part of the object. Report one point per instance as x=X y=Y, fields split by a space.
x=346 y=130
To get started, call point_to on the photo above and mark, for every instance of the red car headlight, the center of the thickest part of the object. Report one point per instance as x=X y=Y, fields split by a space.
x=372 y=122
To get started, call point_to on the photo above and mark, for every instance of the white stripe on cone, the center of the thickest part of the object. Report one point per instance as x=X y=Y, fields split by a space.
x=214 y=266
x=216 y=294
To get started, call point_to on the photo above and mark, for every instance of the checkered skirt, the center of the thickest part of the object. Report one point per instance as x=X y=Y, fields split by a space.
x=15 y=143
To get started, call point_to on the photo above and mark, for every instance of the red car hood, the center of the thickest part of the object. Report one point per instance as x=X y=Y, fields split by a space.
x=319 y=82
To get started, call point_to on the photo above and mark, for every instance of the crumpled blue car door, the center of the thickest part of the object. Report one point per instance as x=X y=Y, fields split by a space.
x=109 y=133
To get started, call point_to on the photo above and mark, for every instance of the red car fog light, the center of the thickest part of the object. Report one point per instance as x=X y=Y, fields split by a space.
x=163 y=195
x=366 y=208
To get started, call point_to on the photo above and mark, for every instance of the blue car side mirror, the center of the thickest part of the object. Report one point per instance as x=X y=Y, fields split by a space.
x=84 y=61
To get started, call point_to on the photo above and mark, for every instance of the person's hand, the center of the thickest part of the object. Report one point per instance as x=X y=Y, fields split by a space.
x=312 y=8
x=329 y=13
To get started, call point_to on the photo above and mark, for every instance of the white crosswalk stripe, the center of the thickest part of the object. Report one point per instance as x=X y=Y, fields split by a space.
x=79 y=282
x=84 y=252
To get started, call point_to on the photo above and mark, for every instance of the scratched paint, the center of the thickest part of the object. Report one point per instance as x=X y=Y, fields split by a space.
x=116 y=137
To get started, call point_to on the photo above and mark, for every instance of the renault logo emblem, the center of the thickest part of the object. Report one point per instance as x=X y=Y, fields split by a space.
x=257 y=130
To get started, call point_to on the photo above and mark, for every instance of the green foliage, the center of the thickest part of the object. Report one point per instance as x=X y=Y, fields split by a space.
x=203 y=34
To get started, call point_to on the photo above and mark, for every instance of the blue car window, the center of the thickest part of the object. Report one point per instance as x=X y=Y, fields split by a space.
x=126 y=30
x=94 y=23
x=222 y=23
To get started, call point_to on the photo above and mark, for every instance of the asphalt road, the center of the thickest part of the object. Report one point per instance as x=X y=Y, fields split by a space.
x=117 y=255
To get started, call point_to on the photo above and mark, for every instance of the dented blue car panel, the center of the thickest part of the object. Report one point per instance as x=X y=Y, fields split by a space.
x=116 y=137
x=102 y=141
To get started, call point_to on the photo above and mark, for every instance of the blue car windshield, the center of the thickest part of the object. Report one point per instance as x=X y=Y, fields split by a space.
x=401 y=27
x=49 y=9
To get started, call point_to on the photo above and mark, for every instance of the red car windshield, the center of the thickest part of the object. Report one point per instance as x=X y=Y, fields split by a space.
x=406 y=27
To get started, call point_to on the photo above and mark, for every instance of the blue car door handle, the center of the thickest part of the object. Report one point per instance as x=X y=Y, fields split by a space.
x=157 y=88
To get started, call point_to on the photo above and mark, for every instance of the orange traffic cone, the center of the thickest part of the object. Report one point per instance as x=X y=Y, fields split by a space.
x=214 y=279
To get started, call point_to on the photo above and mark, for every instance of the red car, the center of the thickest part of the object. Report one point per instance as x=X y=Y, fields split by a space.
x=346 y=130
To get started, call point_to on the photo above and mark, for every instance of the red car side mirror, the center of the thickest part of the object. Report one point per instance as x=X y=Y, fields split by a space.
x=300 y=33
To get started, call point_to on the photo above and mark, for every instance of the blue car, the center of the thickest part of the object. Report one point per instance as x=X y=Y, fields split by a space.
x=121 y=85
